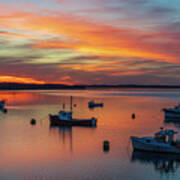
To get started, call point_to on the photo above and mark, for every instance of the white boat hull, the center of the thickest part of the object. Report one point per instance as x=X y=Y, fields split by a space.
x=172 y=115
x=140 y=144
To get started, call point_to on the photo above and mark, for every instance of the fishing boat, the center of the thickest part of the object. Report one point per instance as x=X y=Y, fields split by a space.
x=92 y=104
x=163 y=142
x=2 y=104
x=172 y=113
x=64 y=118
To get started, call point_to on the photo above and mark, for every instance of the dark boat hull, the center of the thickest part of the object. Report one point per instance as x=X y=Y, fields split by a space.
x=139 y=144
x=95 y=105
x=55 y=121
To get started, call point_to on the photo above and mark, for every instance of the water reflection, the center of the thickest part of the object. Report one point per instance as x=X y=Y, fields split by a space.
x=72 y=139
x=65 y=133
x=163 y=163
x=3 y=110
x=19 y=98
x=39 y=151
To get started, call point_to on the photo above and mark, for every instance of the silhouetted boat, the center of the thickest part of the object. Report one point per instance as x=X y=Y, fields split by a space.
x=2 y=103
x=64 y=118
x=172 y=113
x=92 y=104
x=162 y=142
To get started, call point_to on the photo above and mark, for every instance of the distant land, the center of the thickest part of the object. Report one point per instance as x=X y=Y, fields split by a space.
x=19 y=86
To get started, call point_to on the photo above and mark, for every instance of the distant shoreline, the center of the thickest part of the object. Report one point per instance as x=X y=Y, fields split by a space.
x=17 y=86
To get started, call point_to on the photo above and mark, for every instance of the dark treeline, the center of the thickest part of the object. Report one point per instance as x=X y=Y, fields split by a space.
x=19 y=86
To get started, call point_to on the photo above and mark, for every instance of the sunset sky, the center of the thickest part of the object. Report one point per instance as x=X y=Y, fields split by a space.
x=90 y=41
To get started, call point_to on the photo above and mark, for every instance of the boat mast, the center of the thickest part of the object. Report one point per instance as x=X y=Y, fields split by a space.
x=71 y=103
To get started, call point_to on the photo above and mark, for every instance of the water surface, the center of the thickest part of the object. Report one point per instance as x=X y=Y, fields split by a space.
x=43 y=153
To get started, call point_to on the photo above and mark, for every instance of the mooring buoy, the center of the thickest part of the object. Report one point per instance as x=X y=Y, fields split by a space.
x=33 y=122
x=106 y=146
x=133 y=116
x=5 y=110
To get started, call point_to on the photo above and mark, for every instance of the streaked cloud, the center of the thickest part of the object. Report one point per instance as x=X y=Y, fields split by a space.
x=104 y=41
x=5 y=79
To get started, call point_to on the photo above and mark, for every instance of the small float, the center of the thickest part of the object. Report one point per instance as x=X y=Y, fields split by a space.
x=163 y=142
x=64 y=118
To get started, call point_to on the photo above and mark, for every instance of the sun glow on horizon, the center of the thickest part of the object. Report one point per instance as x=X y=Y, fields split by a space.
x=66 y=80
x=13 y=79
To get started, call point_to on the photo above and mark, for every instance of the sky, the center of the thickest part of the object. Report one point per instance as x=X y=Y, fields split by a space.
x=90 y=42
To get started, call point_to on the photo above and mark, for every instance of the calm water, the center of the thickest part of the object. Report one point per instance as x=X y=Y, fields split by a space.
x=43 y=153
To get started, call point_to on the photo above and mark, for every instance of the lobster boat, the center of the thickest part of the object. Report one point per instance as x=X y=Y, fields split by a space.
x=162 y=142
x=64 y=118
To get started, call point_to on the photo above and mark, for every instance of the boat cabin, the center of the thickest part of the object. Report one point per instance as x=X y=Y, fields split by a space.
x=165 y=136
x=177 y=107
x=64 y=115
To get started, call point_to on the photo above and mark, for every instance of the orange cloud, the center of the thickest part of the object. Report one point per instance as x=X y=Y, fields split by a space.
x=95 y=38
x=91 y=67
x=102 y=39
x=4 y=33
x=53 y=45
x=7 y=79
x=12 y=79
x=130 y=73
x=64 y=78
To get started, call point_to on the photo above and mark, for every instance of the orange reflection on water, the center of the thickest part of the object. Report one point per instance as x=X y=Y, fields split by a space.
x=14 y=98
x=24 y=146
x=24 y=98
